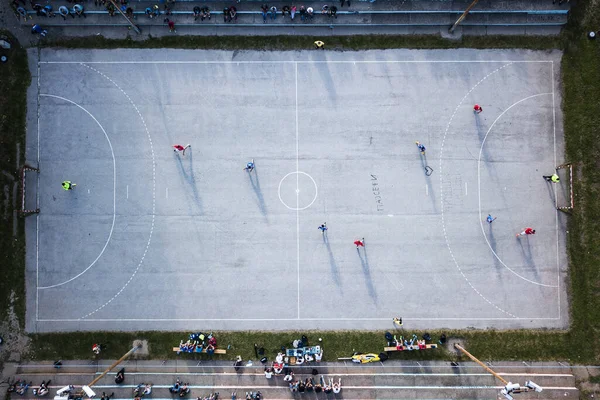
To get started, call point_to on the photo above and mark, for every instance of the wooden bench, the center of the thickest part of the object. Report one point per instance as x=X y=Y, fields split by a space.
x=217 y=351
x=415 y=347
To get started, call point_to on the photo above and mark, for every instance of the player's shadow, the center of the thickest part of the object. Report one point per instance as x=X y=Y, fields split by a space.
x=327 y=81
x=255 y=182
x=364 y=260
x=428 y=182
x=527 y=256
x=190 y=177
x=493 y=245
x=335 y=273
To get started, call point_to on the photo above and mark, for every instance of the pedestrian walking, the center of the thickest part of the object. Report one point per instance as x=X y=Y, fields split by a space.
x=249 y=166
x=319 y=44
x=68 y=185
x=177 y=148
x=551 y=178
x=359 y=243
x=421 y=147
x=526 y=231
x=477 y=108
x=489 y=218
x=344 y=1
x=171 y=26
x=397 y=321
x=323 y=227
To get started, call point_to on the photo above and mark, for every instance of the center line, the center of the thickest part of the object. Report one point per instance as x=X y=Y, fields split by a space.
x=297 y=195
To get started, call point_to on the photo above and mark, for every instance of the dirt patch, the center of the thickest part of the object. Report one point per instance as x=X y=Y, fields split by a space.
x=143 y=351
x=15 y=342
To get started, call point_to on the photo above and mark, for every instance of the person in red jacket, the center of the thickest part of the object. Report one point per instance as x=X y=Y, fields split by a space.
x=526 y=231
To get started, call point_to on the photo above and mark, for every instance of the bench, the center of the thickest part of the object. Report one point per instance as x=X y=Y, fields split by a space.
x=415 y=347
x=217 y=351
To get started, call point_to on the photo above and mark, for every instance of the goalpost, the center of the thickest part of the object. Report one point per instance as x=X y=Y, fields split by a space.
x=565 y=199
x=23 y=210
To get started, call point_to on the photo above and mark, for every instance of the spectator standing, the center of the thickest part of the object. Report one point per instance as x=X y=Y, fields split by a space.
x=302 y=13
x=226 y=14
x=310 y=12
x=196 y=13
x=273 y=12
x=232 y=13
x=332 y=12
x=205 y=13
x=79 y=10
x=344 y=1
x=264 y=11
x=293 y=12
x=285 y=10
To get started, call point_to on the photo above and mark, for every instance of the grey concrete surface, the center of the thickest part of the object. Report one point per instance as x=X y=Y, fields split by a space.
x=153 y=240
x=393 y=379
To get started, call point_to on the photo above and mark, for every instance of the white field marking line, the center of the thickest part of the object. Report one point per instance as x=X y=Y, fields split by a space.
x=555 y=192
x=362 y=367
x=479 y=189
x=112 y=227
x=153 y=193
x=167 y=192
x=297 y=195
x=345 y=387
x=37 y=217
x=426 y=190
x=291 y=319
x=127 y=191
x=442 y=190
x=332 y=374
x=304 y=62
x=466 y=189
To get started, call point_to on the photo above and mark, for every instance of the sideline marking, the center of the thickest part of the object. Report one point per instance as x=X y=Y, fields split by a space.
x=305 y=62
x=294 y=319
x=479 y=189
x=112 y=227
x=298 y=194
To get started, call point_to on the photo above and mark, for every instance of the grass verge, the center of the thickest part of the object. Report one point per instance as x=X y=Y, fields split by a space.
x=581 y=80
x=14 y=80
x=361 y=42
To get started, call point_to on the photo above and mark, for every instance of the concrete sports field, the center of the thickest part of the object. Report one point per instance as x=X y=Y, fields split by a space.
x=150 y=239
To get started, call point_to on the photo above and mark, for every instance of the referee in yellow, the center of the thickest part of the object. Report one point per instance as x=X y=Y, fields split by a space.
x=319 y=44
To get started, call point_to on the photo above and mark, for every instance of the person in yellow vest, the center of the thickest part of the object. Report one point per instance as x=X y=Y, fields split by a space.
x=551 y=178
x=319 y=44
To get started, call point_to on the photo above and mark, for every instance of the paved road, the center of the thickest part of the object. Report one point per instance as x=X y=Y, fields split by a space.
x=383 y=381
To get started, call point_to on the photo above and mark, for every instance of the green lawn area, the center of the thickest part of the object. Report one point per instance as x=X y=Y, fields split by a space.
x=14 y=80
x=581 y=95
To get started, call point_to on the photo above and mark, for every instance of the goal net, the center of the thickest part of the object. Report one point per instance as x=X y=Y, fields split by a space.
x=565 y=199
x=31 y=206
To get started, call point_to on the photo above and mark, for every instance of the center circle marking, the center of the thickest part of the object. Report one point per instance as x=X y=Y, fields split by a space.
x=297 y=190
